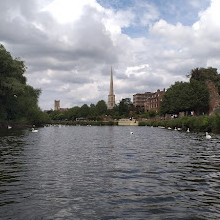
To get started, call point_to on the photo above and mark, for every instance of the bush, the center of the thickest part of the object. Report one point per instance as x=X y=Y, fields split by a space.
x=215 y=121
x=200 y=123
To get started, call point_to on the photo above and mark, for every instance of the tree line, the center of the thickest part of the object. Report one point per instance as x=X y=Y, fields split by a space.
x=19 y=101
x=95 y=112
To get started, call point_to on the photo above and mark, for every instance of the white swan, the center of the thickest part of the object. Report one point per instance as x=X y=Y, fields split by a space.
x=9 y=127
x=34 y=130
x=207 y=136
x=175 y=129
x=187 y=130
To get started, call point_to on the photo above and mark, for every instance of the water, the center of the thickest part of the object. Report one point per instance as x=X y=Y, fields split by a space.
x=107 y=173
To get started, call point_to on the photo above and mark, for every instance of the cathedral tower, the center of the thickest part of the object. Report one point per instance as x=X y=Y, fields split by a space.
x=57 y=105
x=111 y=96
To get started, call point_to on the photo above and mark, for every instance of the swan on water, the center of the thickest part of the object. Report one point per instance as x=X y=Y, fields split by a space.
x=207 y=136
x=9 y=127
x=187 y=130
x=34 y=130
x=175 y=129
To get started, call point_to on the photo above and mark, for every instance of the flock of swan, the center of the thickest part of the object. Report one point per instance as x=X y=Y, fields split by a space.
x=207 y=135
x=33 y=129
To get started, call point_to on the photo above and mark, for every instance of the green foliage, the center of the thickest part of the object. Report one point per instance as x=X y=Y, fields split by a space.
x=70 y=114
x=86 y=123
x=114 y=113
x=201 y=123
x=215 y=121
x=101 y=107
x=57 y=115
x=84 y=111
x=177 y=98
x=92 y=112
x=18 y=101
x=199 y=97
x=184 y=96
x=205 y=74
x=152 y=113
x=37 y=117
x=125 y=106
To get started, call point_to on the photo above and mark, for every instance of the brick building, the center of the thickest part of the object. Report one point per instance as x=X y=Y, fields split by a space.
x=140 y=98
x=148 y=100
x=153 y=102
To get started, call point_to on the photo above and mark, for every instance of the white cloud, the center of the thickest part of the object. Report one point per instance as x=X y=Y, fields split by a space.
x=70 y=46
x=67 y=11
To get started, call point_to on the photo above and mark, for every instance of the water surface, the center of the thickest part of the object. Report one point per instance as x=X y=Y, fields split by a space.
x=75 y=172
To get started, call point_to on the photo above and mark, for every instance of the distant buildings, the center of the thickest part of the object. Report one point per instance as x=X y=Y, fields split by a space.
x=57 y=106
x=148 y=101
x=142 y=101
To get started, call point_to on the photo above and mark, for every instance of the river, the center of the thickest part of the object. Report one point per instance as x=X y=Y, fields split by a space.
x=104 y=172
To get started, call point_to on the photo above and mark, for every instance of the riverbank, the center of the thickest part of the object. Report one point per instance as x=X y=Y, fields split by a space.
x=85 y=123
x=13 y=124
x=195 y=123
x=20 y=124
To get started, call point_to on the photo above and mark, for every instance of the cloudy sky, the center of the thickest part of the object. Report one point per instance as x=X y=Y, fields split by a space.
x=69 y=46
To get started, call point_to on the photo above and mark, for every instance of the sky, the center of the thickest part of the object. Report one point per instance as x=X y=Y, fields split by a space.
x=69 y=46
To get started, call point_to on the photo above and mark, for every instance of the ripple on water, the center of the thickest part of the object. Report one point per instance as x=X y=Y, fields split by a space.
x=106 y=173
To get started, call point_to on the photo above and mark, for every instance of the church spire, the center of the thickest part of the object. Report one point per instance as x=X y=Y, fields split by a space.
x=111 y=96
x=111 y=92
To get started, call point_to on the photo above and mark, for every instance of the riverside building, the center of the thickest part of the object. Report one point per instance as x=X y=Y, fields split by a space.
x=148 y=101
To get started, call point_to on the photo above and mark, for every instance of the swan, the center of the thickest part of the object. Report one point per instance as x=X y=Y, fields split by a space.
x=179 y=129
x=169 y=128
x=9 y=127
x=175 y=129
x=187 y=130
x=208 y=136
x=161 y=127
x=33 y=130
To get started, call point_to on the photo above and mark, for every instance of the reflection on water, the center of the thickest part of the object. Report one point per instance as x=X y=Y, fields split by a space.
x=107 y=173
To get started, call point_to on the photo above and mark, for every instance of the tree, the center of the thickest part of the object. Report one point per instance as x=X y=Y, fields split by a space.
x=125 y=106
x=184 y=96
x=114 y=113
x=101 y=107
x=205 y=74
x=92 y=112
x=17 y=99
x=72 y=113
x=199 y=97
x=152 y=113
x=84 y=111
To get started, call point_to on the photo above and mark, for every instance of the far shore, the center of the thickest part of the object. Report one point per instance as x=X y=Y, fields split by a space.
x=202 y=123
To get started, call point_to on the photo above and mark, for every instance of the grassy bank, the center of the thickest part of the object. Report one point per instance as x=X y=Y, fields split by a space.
x=195 y=123
x=15 y=124
x=85 y=123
